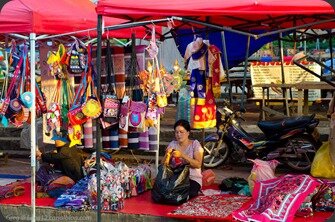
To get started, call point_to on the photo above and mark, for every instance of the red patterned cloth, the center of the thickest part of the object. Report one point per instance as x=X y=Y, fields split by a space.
x=204 y=110
x=277 y=199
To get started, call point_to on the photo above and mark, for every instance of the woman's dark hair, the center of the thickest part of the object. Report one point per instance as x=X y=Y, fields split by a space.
x=183 y=123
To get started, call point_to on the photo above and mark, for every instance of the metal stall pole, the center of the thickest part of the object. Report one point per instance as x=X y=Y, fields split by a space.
x=282 y=72
x=98 y=133
x=331 y=51
x=245 y=73
x=226 y=65
x=32 y=39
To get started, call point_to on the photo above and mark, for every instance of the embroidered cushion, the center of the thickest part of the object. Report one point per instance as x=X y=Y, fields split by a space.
x=277 y=199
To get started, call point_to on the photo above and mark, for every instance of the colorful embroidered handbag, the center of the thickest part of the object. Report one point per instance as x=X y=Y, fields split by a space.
x=27 y=99
x=15 y=106
x=76 y=116
x=137 y=113
x=111 y=107
x=92 y=108
x=20 y=117
x=77 y=58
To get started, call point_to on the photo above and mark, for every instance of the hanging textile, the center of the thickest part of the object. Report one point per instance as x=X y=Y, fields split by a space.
x=200 y=61
x=201 y=55
x=183 y=106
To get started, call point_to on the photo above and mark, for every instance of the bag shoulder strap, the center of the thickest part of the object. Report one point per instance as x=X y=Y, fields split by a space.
x=110 y=70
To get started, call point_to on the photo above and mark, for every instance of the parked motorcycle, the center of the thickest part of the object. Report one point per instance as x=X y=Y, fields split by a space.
x=292 y=141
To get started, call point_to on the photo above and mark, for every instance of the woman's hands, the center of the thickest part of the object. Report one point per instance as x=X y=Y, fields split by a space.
x=38 y=154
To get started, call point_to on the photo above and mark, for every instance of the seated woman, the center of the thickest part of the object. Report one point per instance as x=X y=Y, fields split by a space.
x=190 y=151
x=67 y=160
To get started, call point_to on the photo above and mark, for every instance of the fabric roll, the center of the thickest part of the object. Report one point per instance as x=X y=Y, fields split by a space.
x=144 y=140
x=153 y=139
x=119 y=71
x=106 y=140
x=114 y=138
x=88 y=134
x=123 y=126
x=133 y=140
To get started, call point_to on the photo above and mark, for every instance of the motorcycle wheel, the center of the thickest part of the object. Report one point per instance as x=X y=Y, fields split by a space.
x=300 y=152
x=214 y=155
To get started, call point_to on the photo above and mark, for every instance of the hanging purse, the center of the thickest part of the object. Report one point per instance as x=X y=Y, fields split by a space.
x=110 y=104
x=123 y=125
x=137 y=113
x=75 y=114
x=92 y=107
x=14 y=104
x=111 y=107
x=77 y=58
x=25 y=97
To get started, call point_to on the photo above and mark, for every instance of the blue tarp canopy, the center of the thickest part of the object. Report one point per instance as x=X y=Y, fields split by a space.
x=236 y=43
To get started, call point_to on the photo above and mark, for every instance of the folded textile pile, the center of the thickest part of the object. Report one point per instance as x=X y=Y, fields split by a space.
x=12 y=190
x=75 y=198
x=278 y=199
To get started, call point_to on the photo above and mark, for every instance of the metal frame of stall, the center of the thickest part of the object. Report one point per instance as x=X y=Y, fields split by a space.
x=100 y=30
x=33 y=38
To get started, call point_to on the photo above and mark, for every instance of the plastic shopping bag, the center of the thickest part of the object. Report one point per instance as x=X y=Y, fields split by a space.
x=322 y=165
x=262 y=170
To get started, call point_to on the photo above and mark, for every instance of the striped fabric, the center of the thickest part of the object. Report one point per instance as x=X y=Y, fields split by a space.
x=133 y=140
x=114 y=138
x=88 y=134
x=106 y=140
x=153 y=139
x=123 y=126
x=119 y=71
x=144 y=141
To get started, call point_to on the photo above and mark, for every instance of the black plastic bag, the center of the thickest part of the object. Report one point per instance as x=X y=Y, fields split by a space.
x=172 y=185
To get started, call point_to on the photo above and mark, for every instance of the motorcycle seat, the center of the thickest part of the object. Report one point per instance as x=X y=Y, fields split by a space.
x=290 y=122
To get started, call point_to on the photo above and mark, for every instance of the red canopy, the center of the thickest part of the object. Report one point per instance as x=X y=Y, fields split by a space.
x=55 y=17
x=239 y=14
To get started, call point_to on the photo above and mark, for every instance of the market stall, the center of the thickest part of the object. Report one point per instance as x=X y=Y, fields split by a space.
x=243 y=17
x=38 y=20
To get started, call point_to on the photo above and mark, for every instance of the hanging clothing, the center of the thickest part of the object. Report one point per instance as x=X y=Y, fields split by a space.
x=216 y=70
x=204 y=115
x=195 y=59
x=203 y=67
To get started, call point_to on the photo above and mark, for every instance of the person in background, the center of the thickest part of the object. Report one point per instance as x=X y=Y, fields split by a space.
x=299 y=55
x=190 y=151
x=68 y=160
